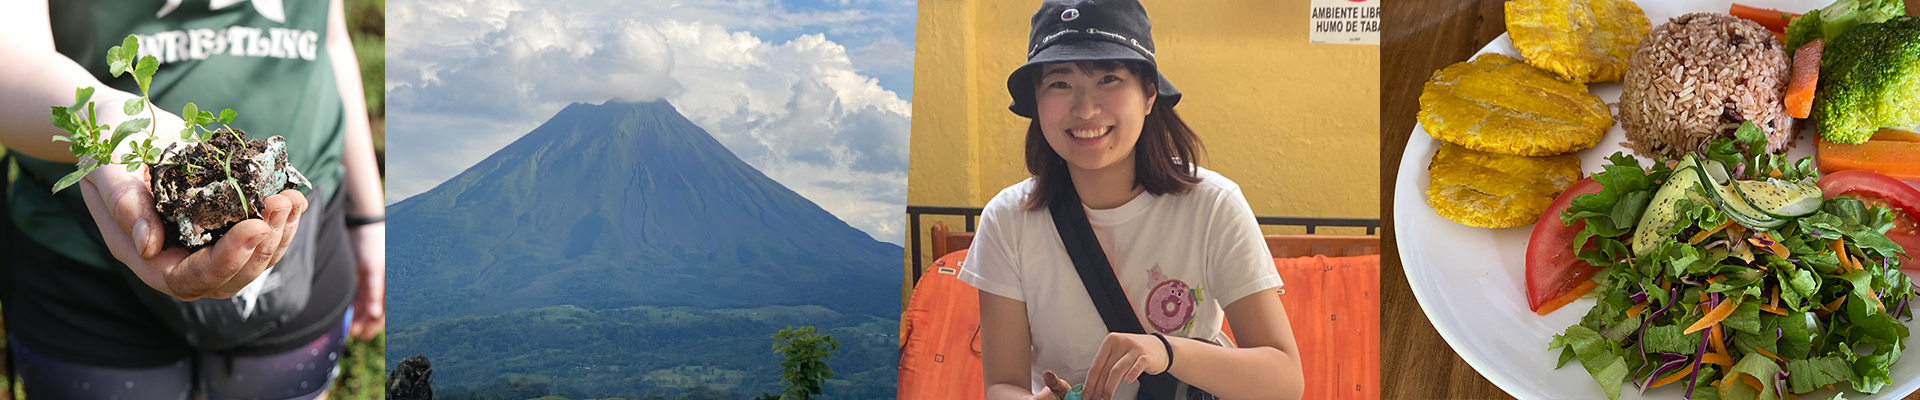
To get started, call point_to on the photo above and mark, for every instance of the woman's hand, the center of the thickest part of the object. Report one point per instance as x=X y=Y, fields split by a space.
x=1121 y=359
x=122 y=207
x=1056 y=388
x=369 y=255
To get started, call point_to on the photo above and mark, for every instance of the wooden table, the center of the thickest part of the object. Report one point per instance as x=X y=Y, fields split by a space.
x=1417 y=38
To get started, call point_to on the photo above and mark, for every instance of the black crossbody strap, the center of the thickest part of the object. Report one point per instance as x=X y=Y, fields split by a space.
x=1096 y=273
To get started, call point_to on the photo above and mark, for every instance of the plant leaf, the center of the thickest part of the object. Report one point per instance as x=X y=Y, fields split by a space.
x=117 y=64
x=73 y=178
x=133 y=167
x=61 y=118
x=135 y=106
x=62 y=138
x=129 y=47
x=143 y=72
x=80 y=97
x=226 y=116
x=192 y=114
x=125 y=129
x=186 y=134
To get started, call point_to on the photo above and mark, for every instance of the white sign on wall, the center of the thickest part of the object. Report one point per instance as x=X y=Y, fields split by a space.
x=1345 y=22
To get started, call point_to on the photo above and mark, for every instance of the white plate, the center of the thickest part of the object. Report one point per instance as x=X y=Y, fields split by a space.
x=1471 y=281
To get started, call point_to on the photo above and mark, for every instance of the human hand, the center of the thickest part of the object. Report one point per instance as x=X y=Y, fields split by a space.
x=1056 y=389
x=122 y=206
x=369 y=255
x=1122 y=358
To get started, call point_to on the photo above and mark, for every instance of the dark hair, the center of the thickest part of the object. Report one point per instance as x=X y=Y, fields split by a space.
x=1163 y=157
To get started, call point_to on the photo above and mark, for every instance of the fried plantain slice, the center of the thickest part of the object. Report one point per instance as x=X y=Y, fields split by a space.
x=1489 y=190
x=1498 y=104
x=1584 y=41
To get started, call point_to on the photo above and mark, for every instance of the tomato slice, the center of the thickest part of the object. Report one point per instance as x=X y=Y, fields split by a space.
x=1881 y=190
x=1552 y=266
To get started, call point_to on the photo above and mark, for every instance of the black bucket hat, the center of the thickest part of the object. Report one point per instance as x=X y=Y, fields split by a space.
x=1086 y=30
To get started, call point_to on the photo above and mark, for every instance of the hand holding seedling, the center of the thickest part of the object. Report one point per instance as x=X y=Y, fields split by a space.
x=122 y=208
x=122 y=203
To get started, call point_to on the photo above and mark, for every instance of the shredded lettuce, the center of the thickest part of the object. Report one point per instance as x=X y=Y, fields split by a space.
x=1839 y=325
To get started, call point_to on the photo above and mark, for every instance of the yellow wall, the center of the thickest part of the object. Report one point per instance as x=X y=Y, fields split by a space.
x=1295 y=124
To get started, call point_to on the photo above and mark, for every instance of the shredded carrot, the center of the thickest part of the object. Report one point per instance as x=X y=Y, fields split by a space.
x=1830 y=307
x=1778 y=248
x=1713 y=317
x=1665 y=284
x=1719 y=346
x=1752 y=381
x=1568 y=298
x=1717 y=358
x=1773 y=297
x=1773 y=309
x=1636 y=309
x=1769 y=354
x=1715 y=279
x=1840 y=251
x=1697 y=238
x=1675 y=377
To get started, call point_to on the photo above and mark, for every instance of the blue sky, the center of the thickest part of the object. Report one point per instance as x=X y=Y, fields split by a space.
x=813 y=93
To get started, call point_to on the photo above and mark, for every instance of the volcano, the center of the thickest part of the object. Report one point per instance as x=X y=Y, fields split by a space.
x=625 y=204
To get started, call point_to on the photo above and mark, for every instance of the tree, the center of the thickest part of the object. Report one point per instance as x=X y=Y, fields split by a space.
x=804 y=369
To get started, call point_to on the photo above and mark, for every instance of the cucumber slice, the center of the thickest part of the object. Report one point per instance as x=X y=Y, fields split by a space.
x=1729 y=200
x=1657 y=220
x=1781 y=199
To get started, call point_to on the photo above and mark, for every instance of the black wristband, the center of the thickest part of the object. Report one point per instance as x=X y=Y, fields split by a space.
x=1169 y=345
x=353 y=221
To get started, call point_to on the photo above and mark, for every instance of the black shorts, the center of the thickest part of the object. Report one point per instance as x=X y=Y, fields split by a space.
x=298 y=374
x=77 y=314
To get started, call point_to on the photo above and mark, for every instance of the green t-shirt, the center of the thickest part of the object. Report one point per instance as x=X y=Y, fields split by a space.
x=265 y=59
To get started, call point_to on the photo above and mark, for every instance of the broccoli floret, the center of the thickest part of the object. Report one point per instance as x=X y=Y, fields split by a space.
x=1869 y=78
x=1838 y=17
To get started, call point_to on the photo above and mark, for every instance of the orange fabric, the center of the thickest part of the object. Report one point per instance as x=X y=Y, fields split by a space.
x=940 y=336
x=1332 y=303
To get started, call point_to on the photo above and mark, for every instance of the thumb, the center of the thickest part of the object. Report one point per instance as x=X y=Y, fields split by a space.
x=1055 y=383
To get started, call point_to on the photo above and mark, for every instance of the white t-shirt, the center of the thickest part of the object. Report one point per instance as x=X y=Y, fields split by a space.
x=1180 y=258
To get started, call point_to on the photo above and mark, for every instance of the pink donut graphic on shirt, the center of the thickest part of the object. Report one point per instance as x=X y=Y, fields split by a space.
x=1170 y=306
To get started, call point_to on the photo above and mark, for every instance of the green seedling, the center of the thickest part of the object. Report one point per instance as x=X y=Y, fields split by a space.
x=92 y=140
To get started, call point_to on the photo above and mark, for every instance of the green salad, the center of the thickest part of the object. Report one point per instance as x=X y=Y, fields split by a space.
x=1728 y=273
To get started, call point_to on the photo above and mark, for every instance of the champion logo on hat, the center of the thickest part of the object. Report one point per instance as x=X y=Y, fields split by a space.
x=1070 y=14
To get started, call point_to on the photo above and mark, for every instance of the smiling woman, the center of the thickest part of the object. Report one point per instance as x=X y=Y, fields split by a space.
x=1120 y=267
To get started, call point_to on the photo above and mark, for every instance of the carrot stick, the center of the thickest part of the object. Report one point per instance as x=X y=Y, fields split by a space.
x=1831 y=306
x=1773 y=309
x=1752 y=381
x=1564 y=299
x=1769 y=354
x=1839 y=248
x=1773 y=20
x=1717 y=358
x=1636 y=309
x=1675 y=377
x=1702 y=236
x=1803 y=79
x=1778 y=248
x=1712 y=318
x=1719 y=346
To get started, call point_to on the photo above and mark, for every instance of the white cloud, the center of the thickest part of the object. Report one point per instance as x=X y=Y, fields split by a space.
x=800 y=110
